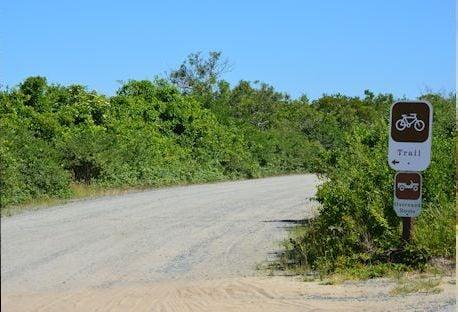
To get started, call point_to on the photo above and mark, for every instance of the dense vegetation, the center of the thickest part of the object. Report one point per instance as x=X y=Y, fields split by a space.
x=357 y=226
x=194 y=127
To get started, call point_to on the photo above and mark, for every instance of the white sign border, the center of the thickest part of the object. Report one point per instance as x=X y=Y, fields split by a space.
x=425 y=146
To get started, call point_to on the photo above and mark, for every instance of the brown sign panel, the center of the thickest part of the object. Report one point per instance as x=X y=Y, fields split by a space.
x=410 y=121
x=408 y=185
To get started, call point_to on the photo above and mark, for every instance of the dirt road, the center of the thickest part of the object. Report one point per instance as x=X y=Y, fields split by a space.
x=190 y=248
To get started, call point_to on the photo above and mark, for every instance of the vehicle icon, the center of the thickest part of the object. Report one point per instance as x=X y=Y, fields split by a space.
x=408 y=120
x=411 y=186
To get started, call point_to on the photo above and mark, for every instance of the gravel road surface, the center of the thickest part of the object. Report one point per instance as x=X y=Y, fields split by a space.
x=189 y=232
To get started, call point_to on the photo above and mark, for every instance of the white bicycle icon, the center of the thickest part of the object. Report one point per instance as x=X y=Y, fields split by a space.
x=408 y=120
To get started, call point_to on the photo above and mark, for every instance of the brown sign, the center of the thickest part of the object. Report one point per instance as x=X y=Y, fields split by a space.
x=408 y=185
x=410 y=121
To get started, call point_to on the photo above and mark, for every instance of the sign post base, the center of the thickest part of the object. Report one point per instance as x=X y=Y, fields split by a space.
x=407 y=225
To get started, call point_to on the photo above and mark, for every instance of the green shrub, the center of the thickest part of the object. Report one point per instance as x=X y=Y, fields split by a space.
x=29 y=166
x=356 y=223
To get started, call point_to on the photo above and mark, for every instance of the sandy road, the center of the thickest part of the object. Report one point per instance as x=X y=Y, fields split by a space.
x=190 y=248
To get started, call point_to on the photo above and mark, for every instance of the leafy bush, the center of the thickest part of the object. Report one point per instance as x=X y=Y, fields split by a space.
x=357 y=224
x=29 y=166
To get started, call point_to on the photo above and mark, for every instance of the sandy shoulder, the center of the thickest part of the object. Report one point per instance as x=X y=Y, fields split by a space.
x=266 y=294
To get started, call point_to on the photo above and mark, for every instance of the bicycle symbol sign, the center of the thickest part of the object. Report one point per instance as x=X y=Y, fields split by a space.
x=409 y=147
x=408 y=120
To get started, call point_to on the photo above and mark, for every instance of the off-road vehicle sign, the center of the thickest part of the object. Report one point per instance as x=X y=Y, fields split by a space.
x=407 y=194
x=409 y=147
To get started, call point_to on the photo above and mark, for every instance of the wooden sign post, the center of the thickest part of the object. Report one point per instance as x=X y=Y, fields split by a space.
x=409 y=153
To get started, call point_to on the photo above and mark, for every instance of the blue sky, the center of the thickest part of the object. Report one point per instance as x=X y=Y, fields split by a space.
x=301 y=47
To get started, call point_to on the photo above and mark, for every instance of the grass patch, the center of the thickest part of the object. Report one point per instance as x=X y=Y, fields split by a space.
x=399 y=272
x=293 y=260
x=423 y=285
x=289 y=261
x=31 y=205
x=78 y=191
x=361 y=272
